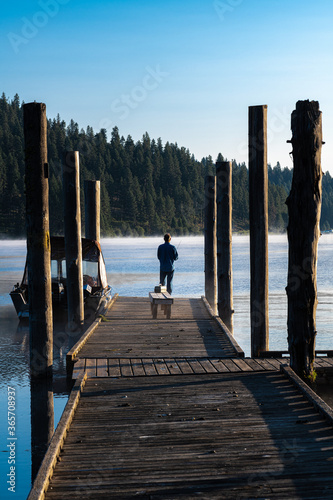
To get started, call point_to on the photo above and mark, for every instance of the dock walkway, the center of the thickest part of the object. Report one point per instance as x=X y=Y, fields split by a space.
x=129 y=342
x=169 y=409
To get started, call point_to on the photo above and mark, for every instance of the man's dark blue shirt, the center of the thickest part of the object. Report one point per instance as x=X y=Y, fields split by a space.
x=167 y=254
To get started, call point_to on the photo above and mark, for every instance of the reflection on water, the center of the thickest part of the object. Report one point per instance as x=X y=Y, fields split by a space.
x=38 y=405
x=42 y=420
x=133 y=270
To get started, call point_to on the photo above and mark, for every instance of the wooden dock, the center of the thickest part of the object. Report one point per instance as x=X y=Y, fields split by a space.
x=129 y=329
x=169 y=409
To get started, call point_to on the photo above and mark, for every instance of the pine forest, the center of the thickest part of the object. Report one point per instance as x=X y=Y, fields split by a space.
x=147 y=187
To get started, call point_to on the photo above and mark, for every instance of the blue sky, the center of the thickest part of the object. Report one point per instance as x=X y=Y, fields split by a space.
x=183 y=71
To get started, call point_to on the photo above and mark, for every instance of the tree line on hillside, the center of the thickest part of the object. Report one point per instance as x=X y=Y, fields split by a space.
x=147 y=188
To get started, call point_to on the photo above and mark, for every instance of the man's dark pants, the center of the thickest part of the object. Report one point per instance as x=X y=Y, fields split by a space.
x=169 y=276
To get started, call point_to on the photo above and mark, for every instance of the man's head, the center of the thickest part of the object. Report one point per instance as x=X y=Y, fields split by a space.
x=167 y=238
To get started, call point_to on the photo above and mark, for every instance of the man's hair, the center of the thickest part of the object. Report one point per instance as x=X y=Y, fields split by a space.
x=167 y=237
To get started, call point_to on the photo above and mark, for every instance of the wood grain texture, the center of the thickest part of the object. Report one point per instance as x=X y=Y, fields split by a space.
x=129 y=331
x=258 y=217
x=73 y=242
x=304 y=209
x=231 y=435
x=92 y=204
x=224 y=241
x=38 y=239
x=210 y=242
x=140 y=367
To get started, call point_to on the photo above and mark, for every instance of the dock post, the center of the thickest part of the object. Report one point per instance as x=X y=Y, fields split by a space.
x=92 y=205
x=42 y=420
x=304 y=208
x=224 y=241
x=38 y=239
x=258 y=197
x=210 y=242
x=73 y=244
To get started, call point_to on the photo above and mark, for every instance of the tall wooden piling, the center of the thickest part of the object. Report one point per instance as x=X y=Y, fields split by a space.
x=210 y=242
x=258 y=197
x=38 y=239
x=42 y=420
x=304 y=208
x=73 y=244
x=224 y=241
x=92 y=203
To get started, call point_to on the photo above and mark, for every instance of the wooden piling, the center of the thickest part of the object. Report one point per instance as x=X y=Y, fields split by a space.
x=210 y=242
x=73 y=244
x=92 y=209
x=304 y=208
x=224 y=241
x=42 y=420
x=258 y=197
x=38 y=239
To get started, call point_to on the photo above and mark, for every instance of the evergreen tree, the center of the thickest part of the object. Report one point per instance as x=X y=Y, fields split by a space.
x=146 y=188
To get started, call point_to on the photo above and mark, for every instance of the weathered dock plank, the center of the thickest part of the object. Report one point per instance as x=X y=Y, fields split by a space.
x=171 y=410
x=114 y=368
x=173 y=367
x=137 y=367
x=126 y=367
x=79 y=368
x=208 y=366
x=102 y=368
x=149 y=367
x=219 y=365
x=231 y=435
x=71 y=355
x=91 y=368
x=161 y=367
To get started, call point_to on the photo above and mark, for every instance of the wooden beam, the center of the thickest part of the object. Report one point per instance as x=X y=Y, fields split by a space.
x=92 y=203
x=210 y=242
x=304 y=208
x=224 y=242
x=258 y=197
x=73 y=244
x=42 y=420
x=38 y=239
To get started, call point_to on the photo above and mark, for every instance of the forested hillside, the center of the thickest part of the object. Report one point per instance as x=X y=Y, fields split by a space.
x=147 y=187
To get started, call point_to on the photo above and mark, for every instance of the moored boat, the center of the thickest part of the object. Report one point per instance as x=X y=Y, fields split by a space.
x=97 y=292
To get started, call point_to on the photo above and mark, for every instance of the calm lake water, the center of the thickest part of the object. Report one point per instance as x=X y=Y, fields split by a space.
x=133 y=270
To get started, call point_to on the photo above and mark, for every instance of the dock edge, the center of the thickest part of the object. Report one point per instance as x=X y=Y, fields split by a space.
x=319 y=404
x=226 y=331
x=42 y=480
x=71 y=355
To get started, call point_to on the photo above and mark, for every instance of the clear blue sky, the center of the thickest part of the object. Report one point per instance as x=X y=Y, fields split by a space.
x=185 y=71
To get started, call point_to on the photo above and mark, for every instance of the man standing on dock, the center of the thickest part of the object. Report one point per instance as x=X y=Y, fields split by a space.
x=167 y=254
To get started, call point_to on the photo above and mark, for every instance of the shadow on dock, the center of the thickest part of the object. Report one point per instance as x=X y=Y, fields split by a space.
x=236 y=435
x=160 y=410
